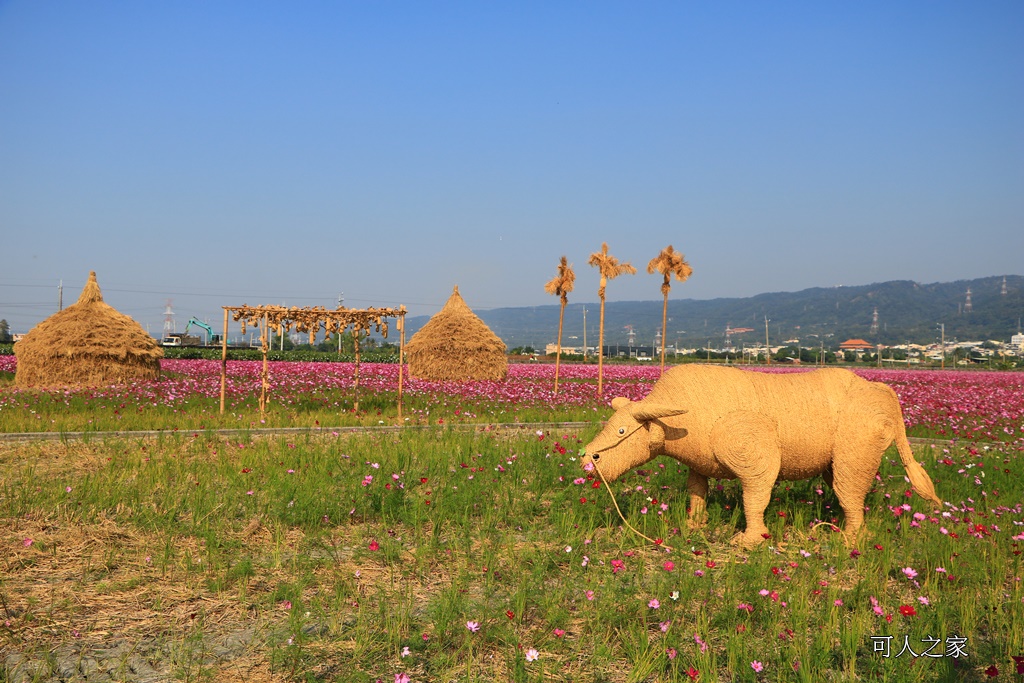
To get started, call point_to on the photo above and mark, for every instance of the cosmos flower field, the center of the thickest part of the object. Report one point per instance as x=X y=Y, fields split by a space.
x=451 y=554
x=962 y=405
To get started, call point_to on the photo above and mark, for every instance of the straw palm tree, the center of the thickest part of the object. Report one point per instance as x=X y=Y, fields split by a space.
x=610 y=269
x=669 y=262
x=561 y=286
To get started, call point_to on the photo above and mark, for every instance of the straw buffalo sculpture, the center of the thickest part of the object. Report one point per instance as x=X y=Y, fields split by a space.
x=728 y=423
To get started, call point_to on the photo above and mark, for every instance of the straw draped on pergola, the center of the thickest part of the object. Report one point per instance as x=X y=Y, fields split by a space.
x=310 y=320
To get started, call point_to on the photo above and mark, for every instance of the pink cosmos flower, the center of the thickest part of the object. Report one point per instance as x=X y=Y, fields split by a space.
x=402 y=678
x=473 y=626
x=532 y=655
x=654 y=604
x=757 y=666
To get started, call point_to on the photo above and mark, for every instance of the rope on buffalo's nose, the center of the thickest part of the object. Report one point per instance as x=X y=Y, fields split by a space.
x=622 y=516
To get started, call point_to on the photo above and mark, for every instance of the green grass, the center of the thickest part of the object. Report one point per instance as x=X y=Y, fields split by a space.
x=191 y=538
x=55 y=412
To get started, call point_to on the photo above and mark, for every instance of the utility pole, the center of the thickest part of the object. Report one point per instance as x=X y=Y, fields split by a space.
x=942 y=326
x=60 y=296
x=584 y=334
x=767 y=346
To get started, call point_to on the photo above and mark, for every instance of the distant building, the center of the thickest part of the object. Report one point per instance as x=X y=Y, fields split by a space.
x=856 y=345
x=552 y=349
x=1018 y=341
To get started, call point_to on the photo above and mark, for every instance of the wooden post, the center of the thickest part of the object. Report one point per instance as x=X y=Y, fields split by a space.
x=401 y=355
x=264 y=345
x=664 y=328
x=224 y=362
x=600 y=344
x=558 y=351
x=355 y=382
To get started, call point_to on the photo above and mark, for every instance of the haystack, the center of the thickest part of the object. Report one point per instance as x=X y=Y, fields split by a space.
x=87 y=344
x=456 y=345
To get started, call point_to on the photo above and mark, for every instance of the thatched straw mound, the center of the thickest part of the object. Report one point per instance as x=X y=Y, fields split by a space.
x=456 y=345
x=86 y=344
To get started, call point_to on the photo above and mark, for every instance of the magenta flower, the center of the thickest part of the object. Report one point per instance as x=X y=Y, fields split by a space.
x=654 y=604
x=757 y=666
x=473 y=626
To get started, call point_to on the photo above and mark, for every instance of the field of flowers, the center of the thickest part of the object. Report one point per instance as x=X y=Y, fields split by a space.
x=486 y=555
x=971 y=406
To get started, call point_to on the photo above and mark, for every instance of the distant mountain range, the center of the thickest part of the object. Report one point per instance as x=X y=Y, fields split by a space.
x=907 y=311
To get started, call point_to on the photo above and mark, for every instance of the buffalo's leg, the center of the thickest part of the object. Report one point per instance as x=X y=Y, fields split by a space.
x=858 y=453
x=697 y=486
x=747 y=444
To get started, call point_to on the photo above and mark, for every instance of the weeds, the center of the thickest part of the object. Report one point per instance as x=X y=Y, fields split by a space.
x=490 y=555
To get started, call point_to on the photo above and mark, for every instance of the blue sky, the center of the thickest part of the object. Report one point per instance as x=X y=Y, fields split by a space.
x=248 y=152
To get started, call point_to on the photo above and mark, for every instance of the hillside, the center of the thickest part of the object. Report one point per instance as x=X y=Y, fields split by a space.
x=907 y=311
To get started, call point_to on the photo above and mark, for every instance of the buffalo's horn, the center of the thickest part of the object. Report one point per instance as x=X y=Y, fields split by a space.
x=619 y=402
x=643 y=411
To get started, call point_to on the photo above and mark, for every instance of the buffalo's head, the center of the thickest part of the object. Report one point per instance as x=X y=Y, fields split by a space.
x=626 y=441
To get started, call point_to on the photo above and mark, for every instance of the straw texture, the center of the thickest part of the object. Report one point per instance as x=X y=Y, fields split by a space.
x=561 y=286
x=456 y=345
x=726 y=423
x=669 y=262
x=87 y=344
x=610 y=268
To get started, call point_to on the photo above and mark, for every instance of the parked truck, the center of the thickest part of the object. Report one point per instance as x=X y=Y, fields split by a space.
x=186 y=339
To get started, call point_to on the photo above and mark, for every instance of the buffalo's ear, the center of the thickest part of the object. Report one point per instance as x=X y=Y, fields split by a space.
x=642 y=411
x=619 y=402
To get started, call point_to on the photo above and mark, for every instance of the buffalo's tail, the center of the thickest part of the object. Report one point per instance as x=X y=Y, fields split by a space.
x=919 y=479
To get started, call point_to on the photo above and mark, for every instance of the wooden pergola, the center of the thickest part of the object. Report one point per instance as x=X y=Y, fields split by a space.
x=310 y=320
